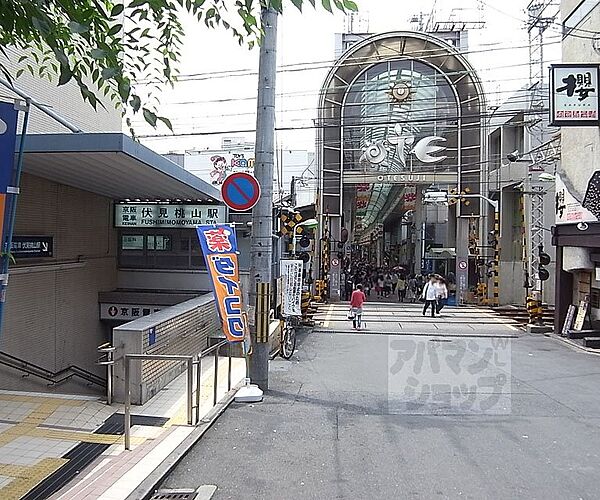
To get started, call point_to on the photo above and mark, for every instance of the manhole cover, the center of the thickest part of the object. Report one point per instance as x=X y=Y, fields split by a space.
x=204 y=492
x=180 y=494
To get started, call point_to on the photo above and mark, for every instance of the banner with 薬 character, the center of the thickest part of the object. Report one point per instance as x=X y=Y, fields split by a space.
x=219 y=246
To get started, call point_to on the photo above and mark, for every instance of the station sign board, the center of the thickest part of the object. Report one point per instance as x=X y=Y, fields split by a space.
x=31 y=247
x=126 y=312
x=166 y=215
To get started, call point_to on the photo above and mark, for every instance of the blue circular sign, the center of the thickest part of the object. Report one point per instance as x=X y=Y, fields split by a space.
x=240 y=191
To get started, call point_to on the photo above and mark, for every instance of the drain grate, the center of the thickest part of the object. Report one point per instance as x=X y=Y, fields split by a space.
x=180 y=494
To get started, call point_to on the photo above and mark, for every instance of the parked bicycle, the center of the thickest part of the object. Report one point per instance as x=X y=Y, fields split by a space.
x=288 y=336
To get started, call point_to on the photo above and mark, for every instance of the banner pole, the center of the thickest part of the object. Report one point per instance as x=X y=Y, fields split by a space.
x=12 y=195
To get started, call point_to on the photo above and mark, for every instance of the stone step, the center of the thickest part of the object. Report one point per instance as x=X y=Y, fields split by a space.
x=592 y=342
x=581 y=334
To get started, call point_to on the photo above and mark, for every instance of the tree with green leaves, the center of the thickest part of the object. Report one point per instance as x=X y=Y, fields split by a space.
x=106 y=46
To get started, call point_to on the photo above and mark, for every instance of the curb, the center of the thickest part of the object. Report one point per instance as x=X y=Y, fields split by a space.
x=570 y=343
x=149 y=485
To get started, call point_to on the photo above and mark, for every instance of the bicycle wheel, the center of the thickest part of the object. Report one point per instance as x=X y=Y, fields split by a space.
x=288 y=342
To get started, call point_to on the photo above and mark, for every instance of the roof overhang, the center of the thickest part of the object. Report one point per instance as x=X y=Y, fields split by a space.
x=112 y=165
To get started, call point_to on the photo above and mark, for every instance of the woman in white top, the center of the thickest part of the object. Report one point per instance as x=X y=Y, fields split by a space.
x=430 y=294
x=442 y=293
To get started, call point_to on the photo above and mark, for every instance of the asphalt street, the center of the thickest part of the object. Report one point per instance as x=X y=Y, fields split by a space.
x=463 y=406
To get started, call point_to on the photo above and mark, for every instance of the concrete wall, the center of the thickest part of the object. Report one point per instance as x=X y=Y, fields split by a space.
x=183 y=329
x=66 y=101
x=52 y=316
x=580 y=145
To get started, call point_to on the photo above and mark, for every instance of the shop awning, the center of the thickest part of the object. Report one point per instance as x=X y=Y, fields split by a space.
x=112 y=165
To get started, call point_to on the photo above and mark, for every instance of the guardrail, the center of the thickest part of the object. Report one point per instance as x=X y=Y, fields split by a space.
x=53 y=378
x=107 y=358
x=190 y=361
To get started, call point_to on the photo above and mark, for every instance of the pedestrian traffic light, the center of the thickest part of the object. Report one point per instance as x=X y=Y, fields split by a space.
x=544 y=260
x=473 y=250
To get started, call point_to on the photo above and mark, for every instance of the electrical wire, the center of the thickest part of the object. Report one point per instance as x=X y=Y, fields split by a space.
x=352 y=61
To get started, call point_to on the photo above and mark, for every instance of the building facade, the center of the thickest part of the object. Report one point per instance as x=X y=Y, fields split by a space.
x=518 y=132
x=400 y=115
x=577 y=207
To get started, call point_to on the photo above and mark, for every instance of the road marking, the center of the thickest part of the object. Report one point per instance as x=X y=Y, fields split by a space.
x=500 y=320
x=328 y=316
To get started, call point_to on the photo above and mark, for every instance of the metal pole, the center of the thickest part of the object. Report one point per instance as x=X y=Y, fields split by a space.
x=294 y=234
x=215 y=381
x=12 y=194
x=496 y=299
x=262 y=218
x=127 y=417
x=109 y=378
x=198 y=385
x=190 y=388
x=229 y=367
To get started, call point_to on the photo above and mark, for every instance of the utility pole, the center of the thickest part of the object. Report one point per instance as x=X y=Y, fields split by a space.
x=261 y=250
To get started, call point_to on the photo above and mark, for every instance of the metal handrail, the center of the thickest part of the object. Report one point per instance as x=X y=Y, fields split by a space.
x=190 y=361
x=157 y=357
x=214 y=349
x=107 y=358
x=55 y=378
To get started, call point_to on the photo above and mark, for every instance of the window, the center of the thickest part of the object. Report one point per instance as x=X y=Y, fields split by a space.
x=160 y=249
x=159 y=242
x=132 y=242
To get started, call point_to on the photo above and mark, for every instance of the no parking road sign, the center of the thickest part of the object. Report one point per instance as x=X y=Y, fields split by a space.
x=240 y=191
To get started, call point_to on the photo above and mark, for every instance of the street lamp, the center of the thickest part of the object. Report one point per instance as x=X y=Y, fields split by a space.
x=308 y=224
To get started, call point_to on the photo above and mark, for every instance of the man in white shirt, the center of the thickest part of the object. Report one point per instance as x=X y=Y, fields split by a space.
x=430 y=295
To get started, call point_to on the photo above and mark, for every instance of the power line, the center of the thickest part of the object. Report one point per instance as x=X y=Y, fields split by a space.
x=478 y=116
x=328 y=64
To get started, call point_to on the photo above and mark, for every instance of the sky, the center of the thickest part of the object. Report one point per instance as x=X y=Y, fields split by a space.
x=218 y=82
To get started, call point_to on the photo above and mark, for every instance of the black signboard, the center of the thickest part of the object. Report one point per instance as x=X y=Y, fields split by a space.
x=31 y=247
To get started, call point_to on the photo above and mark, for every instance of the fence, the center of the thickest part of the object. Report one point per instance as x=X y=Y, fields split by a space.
x=190 y=361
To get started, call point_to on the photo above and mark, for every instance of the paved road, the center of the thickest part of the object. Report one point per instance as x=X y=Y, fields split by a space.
x=378 y=415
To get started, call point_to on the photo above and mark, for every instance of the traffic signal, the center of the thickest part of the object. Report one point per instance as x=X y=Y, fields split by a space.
x=473 y=250
x=544 y=259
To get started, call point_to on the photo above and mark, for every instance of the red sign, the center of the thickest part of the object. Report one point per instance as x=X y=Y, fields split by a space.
x=240 y=191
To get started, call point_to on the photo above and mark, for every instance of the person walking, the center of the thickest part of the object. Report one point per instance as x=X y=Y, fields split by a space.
x=429 y=295
x=356 y=306
x=395 y=279
x=387 y=285
x=379 y=286
x=442 y=293
x=412 y=289
x=401 y=287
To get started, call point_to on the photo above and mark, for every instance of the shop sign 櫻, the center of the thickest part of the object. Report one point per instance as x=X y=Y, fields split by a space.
x=574 y=95
x=162 y=215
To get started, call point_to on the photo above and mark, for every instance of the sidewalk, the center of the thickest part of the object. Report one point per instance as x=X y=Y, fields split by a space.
x=71 y=447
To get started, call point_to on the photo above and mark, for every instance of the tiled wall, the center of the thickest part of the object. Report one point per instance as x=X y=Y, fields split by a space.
x=185 y=334
x=52 y=316
x=183 y=329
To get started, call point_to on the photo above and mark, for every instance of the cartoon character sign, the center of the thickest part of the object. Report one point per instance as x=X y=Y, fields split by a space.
x=220 y=169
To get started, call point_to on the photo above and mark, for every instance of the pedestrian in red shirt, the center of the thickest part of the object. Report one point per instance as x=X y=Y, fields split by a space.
x=356 y=302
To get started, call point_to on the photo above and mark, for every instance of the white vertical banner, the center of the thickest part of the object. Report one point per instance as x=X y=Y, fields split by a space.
x=291 y=274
